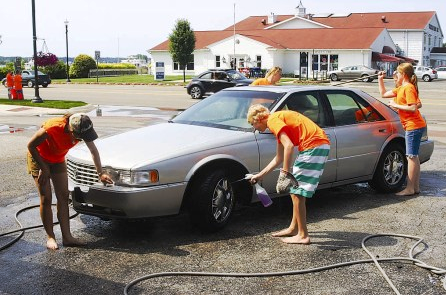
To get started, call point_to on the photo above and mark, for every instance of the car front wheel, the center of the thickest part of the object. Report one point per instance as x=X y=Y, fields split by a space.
x=391 y=171
x=426 y=78
x=196 y=92
x=45 y=85
x=30 y=84
x=212 y=201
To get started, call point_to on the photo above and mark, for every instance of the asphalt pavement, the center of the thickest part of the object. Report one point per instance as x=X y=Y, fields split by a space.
x=119 y=252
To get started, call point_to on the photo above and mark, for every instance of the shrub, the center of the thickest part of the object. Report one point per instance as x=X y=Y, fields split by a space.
x=4 y=70
x=116 y=66
x=56 y=71
x=81 y=66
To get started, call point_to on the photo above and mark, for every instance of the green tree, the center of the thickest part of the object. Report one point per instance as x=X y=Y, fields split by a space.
x=182 y=44
x=81 y=66
x=56 y=71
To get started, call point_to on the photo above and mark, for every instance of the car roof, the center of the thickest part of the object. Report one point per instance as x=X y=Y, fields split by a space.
x=287 y=88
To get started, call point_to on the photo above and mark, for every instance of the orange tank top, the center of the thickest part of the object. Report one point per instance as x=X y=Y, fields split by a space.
x=303 y=132
x=59 y=141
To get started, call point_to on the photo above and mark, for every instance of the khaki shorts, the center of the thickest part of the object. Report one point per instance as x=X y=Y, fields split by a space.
x=34 y=168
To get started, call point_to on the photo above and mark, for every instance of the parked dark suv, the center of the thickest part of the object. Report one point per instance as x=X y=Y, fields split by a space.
x=29 y=80
x=215 y=80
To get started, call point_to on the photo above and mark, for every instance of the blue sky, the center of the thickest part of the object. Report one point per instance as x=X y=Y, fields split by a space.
x=133 y=26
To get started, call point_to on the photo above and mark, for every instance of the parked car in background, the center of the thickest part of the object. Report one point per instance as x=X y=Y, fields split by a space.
x=353 y=72
x=425 y=73
x=28 y=79
x=215 y=80
x=195 y=162
x=441 y=72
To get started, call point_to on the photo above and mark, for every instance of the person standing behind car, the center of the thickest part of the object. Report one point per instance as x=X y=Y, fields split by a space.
x=18 y=85
x=405 y=101
x=9 y=83
x=271 y=78
x=293 y=129
x=46 y=161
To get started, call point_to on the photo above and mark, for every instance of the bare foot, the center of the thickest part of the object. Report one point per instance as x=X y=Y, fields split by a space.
x=297 y=240
x=72 y=242
x=405 y=193
x=51 y=244
x=285 y=233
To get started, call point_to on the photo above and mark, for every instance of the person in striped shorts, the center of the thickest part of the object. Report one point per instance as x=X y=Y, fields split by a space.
x=293 y=129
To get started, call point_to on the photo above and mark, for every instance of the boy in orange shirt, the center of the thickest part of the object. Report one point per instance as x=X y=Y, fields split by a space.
x=18 y=85
x=294 y=130
x=271 y=78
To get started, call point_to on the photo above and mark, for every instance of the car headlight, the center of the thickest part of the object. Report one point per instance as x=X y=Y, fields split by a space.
x=133 y=178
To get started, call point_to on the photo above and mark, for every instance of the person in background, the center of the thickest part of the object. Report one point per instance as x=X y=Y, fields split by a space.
x=46 y=161
x=18 y=85
x=9 y=83
x=271 y=78
x=405 y=101
x=293 y=129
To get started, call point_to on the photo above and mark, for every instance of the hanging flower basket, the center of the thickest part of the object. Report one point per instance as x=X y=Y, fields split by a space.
x=46 y=59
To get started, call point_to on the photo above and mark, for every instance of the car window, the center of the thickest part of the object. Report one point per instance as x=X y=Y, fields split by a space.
x=354 y=68
x=221 y=76
x=349 y=109
x=226 y=109
x=206 y=76
x=236 y=75
x=306 y=103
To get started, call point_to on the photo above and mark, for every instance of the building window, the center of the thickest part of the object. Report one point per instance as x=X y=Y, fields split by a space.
x=189 y=67
x=241 y=63
x=333 y=62
x=430 y=40
x=217 y=61
x=258 y=62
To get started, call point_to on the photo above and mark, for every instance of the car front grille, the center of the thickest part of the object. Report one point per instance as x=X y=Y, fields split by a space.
x=82 y=174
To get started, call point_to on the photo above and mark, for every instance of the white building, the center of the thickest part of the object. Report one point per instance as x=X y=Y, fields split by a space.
x=307 y=43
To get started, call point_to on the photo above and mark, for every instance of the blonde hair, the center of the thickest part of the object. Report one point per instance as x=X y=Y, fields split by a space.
x=256 y=113
x=273 y=71
x=408 y=70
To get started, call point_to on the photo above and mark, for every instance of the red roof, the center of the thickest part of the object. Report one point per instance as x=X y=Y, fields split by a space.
x=392 y=20
x=353 y=38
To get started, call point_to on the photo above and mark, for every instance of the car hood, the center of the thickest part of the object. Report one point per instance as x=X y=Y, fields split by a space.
x=156 y=143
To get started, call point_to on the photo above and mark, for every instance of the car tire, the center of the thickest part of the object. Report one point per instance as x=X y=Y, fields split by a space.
x=196 y=92
x=365 y=78
x=212 y=201
x=390 y=174
x=45 y=85
x=334 y=77
x=427 y=78
x=30 y=84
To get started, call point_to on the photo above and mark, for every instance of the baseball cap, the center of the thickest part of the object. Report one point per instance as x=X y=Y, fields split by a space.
x=82 y=127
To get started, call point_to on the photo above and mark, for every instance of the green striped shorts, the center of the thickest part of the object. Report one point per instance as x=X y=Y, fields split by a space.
x=308 y=168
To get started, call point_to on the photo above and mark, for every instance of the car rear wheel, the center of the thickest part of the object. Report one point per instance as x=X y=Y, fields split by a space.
x=212 y=201
x=391 y=171
x=196 y=92
x=427 y=78
x=334 y=77
x=45 y=85
x=30 y=84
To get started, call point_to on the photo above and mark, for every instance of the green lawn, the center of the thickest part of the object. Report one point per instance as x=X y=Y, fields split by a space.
x=139 y=79
x=55 y=104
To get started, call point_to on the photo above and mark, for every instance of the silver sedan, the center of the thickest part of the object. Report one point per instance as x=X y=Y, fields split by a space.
x=195 y=161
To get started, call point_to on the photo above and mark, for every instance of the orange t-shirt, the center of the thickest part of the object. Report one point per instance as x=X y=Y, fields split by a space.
x=407 y=95
x=18 y=82
x=303 y=132
x=59 y=141
x=9 y=80
x=260 y=81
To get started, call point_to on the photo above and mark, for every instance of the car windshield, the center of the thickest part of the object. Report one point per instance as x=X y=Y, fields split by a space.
x=226 y=109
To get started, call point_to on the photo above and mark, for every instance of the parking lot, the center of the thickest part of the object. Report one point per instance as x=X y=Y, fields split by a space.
x=119 y=252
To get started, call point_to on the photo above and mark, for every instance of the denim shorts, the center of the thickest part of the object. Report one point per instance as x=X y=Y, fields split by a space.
x=413 y=141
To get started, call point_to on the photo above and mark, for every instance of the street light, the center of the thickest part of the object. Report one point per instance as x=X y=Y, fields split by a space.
x=66 y=40
x=36 y=76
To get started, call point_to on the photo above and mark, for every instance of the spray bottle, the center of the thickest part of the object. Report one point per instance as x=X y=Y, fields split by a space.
x=261 y=192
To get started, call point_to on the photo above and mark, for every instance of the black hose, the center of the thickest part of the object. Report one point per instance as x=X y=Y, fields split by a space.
x=358 y=79
x=23 y=229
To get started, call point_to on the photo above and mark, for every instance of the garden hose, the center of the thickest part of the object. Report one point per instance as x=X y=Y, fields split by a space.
x=419 y=263
x=410 y=258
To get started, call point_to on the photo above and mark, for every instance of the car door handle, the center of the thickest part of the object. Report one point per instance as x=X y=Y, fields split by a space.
x=382 y=130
